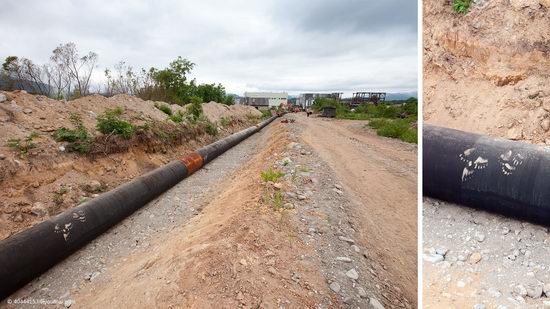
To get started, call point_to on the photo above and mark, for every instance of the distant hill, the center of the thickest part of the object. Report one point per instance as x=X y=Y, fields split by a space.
x=401 y=95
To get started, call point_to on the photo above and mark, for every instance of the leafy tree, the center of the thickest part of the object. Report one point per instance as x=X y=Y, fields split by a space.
x=172 y=81
x=211 y=92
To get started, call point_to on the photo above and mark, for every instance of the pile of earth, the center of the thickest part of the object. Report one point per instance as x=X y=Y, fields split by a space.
x=48 y=179
x=488 y=71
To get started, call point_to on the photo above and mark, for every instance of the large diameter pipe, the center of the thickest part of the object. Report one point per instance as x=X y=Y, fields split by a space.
x=26 y=255
x=498 y=175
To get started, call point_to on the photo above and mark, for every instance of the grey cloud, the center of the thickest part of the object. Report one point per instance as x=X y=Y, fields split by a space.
x=246 y=45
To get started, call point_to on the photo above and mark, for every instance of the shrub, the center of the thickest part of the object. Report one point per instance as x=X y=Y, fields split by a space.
x=165 y=109
x=195 y=107
x=461 y=6
x=270 y=175
x=110 y=123
x=395 y=128
x=210 y=127
x=23 y=146
x=266 y=113
x=78 y=137
x=224 y=122
x=177 y=117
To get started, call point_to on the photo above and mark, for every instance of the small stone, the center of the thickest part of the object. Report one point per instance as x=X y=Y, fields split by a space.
x=27 y=111
x=433 y=258
x=339 y=192
x=521 y=290
x=352 y=274
x=343 y=259
x=240 y=296
x=243 y=262
x=3 y=98
x=62 y=148
x=272 y=270
x=480 y=237
x=441 y=251
x=545 y=124
x=2 y=156
x=94 y=186
x=494 y=293
x=38 y=209
x=301 y=197
x=68 y=303
x=546 y=289
x=335 y=287
x=502 y=307
x=479 y=306
x=337 y=186
x=356 y=248
x=460 y=284
x=91 y=276
x=348 y=240
x=288 y=206
x=475 y=258
x=534 y=291
x=375 y=304
x=277 y=185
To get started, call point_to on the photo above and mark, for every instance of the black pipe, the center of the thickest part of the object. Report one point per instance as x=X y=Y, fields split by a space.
x=508 y=177
x=26 y=255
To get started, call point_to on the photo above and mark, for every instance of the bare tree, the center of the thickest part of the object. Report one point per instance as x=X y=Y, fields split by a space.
x=79 y=69
x=24 y=74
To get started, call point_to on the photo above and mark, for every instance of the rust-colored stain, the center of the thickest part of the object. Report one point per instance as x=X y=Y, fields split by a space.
x=193 y=162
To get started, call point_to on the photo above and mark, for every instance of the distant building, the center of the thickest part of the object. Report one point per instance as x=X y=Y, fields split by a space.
x=306 y=99
x=265 y=99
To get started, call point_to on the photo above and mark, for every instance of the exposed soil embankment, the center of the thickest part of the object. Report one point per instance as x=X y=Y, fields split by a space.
x=489 y=71
x=48 y=179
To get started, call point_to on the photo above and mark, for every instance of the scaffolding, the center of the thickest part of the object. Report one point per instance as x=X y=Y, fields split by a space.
x=367 y=97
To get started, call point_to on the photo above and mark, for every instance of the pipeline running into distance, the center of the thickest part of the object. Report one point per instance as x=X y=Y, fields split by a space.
x=27 y=254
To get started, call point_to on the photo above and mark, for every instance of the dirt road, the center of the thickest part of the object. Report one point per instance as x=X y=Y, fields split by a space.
x=325 y=235
x=381 y=173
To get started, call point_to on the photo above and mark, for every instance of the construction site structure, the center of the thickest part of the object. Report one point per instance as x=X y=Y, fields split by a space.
x=305 y=100
x=359 y=98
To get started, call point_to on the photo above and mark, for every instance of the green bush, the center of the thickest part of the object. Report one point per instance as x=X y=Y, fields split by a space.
x=111 y=123
x=210 y=127
x=78 y=137
x=195 y=107
x=177 y=117
x=396 y=128
x=270 y=175
x=461 y=6
x=165 y=108
x=266 y=113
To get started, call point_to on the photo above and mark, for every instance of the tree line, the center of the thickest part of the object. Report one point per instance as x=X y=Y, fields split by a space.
x=68 y=75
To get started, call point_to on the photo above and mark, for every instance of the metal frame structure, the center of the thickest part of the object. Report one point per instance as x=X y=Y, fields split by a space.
x=366 y=97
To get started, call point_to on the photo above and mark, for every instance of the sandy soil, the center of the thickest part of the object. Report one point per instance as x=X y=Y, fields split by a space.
x=242 y=250
x=486 y=72
x=28 y=183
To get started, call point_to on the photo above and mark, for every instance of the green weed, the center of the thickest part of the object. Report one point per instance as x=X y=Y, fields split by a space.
x=111 y=123
x=270 y=175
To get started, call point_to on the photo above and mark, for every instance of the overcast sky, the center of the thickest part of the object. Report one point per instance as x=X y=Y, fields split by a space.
x=269 y=45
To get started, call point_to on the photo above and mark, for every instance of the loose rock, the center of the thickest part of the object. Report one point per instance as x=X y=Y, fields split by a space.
x=348 y=240
x=335 y=287
x=375 y=304
x=352 y=274
x=343 y=259
x=475 y=258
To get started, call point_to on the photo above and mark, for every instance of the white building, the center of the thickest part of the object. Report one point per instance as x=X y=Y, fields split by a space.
x=265 y=99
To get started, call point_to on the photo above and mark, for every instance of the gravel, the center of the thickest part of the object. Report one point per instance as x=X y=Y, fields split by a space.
x=510 y=258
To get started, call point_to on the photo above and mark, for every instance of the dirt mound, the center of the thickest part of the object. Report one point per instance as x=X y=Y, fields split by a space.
x=215 y=111
x=41 y=178
x=488 y=71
